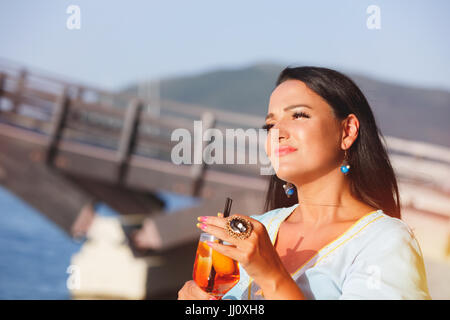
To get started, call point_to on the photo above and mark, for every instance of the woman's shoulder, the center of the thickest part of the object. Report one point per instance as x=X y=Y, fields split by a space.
x=394 y=226
x=387 y=231
x=391 y=250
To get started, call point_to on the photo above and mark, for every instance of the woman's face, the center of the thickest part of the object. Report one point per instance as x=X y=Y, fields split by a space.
x=309 y=135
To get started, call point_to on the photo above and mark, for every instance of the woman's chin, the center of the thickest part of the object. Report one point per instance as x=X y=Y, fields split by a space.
x=286 y=175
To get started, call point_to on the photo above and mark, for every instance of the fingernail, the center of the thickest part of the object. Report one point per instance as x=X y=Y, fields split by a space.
x=220 y=215
x=202 y=219
x=201 y=226
x=209 y=243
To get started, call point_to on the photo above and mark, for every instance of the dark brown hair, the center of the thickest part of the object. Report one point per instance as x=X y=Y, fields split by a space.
x=372 y=179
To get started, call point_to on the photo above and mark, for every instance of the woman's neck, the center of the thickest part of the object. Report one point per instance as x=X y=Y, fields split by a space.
x=327 y=200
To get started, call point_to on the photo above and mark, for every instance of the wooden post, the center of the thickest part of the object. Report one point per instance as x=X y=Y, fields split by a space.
x=19 y=91
x=58 y=123
x=198 y=170
x=128 y=138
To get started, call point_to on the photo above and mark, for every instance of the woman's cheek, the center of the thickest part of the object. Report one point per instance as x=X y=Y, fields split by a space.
x=271 y=143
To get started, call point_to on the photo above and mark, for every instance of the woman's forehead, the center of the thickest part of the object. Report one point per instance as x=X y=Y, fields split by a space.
x=294 y=92
x=291 y=87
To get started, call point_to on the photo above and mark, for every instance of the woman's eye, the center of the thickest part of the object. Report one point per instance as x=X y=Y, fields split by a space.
x=300 y=114
x=295 y=115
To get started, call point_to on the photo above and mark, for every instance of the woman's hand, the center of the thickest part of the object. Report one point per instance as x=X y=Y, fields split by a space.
x=256 y=254
x=191 y=291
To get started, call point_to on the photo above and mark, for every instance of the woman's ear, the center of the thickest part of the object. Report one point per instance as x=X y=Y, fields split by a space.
x=350 y=130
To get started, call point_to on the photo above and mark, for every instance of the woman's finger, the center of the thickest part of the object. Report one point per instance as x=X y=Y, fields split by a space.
x=227 y=250
x=191 y=291
x=215 y=221
x=218 y=232
x=223 y=222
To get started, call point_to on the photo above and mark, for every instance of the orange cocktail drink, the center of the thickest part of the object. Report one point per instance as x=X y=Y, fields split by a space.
x=214 y=272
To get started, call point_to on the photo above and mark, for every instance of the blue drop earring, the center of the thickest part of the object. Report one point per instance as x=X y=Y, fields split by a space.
x=289 y=189
x=345 y=168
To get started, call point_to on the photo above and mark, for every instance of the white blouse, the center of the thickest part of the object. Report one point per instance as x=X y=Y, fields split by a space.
x=378 y=257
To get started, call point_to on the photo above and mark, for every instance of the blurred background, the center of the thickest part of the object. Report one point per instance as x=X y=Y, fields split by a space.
x=91 y=205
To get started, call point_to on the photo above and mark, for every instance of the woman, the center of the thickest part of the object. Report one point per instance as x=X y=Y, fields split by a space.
x=339 y=236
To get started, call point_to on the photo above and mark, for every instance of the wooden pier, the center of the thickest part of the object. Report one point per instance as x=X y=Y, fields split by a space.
x=65 y=147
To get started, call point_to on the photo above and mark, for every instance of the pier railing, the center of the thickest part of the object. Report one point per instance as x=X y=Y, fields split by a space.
x=84 y=120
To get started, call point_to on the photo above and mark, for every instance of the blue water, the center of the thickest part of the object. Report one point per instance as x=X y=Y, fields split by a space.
x=35 y=252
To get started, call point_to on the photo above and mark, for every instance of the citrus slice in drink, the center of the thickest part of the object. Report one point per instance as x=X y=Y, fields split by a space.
x=203 y=269
x=203 y=249
x=222 y=264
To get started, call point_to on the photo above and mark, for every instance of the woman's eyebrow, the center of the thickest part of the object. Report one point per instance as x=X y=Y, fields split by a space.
x=270 y=115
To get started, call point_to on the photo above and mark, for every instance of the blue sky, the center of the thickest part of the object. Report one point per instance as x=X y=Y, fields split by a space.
x=123 y=41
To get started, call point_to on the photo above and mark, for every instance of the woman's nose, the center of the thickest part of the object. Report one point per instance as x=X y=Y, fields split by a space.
x=282 y=130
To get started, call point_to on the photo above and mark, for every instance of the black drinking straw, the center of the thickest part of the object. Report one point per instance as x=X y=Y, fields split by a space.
x=212 y=274
x=227 y=210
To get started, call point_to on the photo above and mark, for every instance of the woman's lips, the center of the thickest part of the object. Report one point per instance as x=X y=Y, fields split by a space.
x=284 y=150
